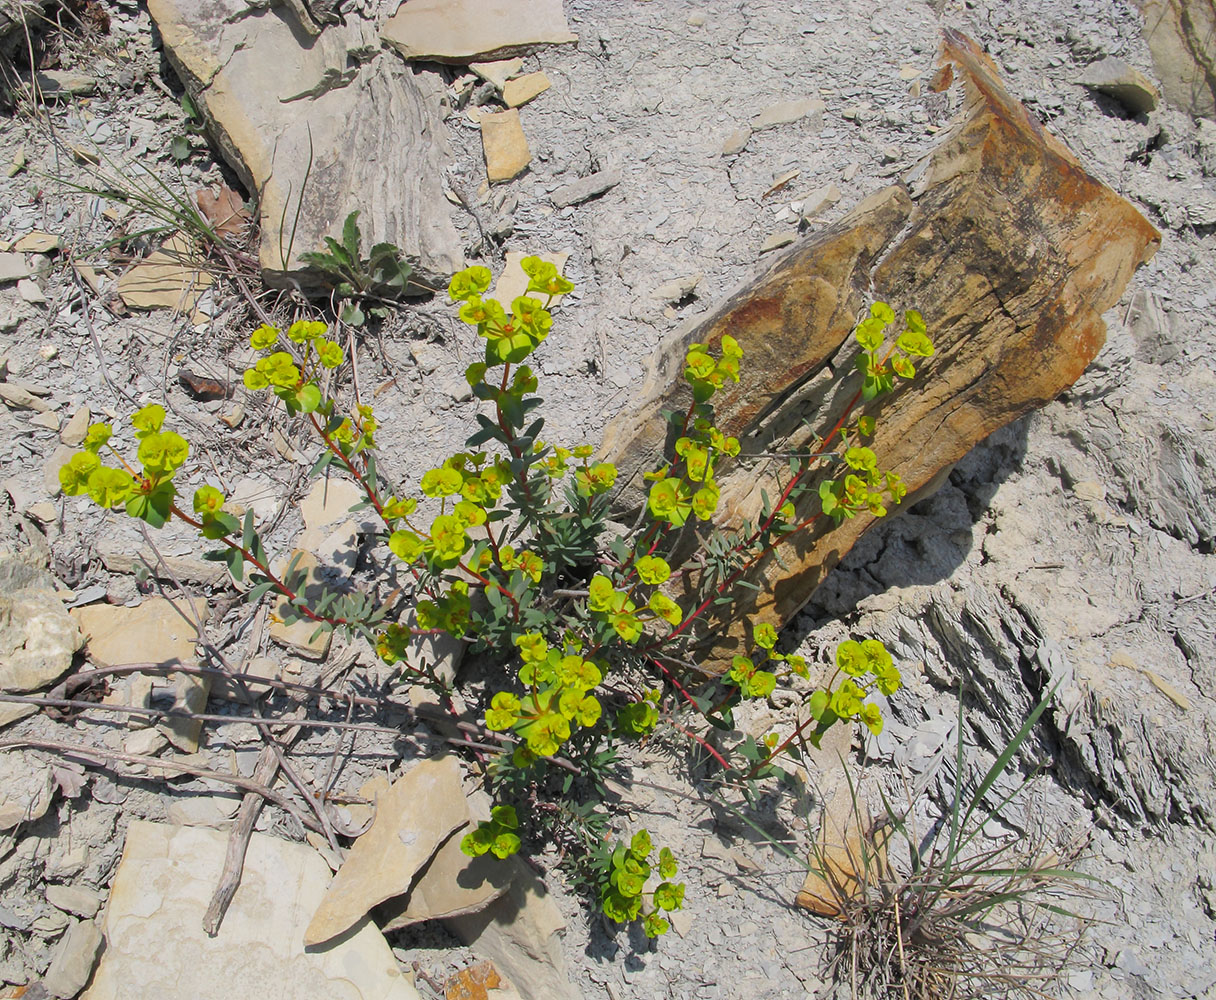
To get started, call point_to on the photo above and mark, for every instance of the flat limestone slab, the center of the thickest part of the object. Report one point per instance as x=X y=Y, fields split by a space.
x=156 y=947
x=475 y=30
x=318 y=127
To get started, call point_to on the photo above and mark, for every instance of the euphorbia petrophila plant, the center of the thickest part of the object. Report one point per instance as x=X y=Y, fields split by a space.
x=590 y=637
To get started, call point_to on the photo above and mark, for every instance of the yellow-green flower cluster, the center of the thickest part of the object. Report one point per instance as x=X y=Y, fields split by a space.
x=292 y=380
x=871 y=334
x=148 y=494
x=497 y=836
x=867 y=666
x=755 y=683
x=510 y=337
x=478 y=484
x=687 y=488
x=617 y=608
x=621 y=894
x=560 y=682
x=752 y=681
x=864 y=488
x=706 y=375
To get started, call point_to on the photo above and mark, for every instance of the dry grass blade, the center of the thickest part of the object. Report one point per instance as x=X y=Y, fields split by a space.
x=948 y=917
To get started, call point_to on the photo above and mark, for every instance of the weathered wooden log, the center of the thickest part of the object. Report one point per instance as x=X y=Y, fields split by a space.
x=1004 y=242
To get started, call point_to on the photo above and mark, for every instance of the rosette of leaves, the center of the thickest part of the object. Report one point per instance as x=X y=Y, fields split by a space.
x=383 y=272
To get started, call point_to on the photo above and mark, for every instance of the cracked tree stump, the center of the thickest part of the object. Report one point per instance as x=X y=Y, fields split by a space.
x=1012 y=252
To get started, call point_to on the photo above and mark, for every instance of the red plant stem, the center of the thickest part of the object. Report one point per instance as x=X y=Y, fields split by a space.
x=693 y=736
x=785 y=494
x=678 y=686
x=350 y=466
x=486 y=582
x=779 y=749
x=278 y=584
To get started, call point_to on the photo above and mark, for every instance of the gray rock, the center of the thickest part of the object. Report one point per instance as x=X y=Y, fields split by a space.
x=776 y=241
x=1181 y=38
x=318 y=131
x=1126 y=84
x=465 y=30
x=1205 y=146
x=37 y=635
x=26 y=789
x=72 y=899
x=819 y=200
x=790 y=111
x=519 y=932
x=57 y=84
x=1151 y=329
x=678 y=288
x=736 y=141
x=13 y=267
x=585 y=188
x=74 y=960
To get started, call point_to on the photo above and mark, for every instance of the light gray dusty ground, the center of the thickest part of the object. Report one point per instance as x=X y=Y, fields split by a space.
x=1075 y=546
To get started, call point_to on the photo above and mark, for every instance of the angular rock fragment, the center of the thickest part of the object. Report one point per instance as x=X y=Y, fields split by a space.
x=472 y=30
x=497 y=72
x=1181 y=35
x=75 y=956
x=156 y=947
x=1126 y=84
x=59 y=85
x=318 y=127
x=173 y=277
x=736 y=141
x=1009 y=248
x=819 y=200
x=785 y=112
x=585 y=188
x=417 y=814
x=13 y=268
x=505 y=146
x=525 y=88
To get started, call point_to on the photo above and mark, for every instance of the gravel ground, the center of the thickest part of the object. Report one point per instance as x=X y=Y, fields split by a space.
x=1077 y=523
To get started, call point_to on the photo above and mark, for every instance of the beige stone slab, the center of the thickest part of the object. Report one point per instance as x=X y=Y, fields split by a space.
x=464 y=30
x=171 y=278
x=513 y=282
x=156 y=947
x=38 y=242
x=523 y=89
x=417 y=814
x=329 y=501
x=505 y=146
x=153 y=632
